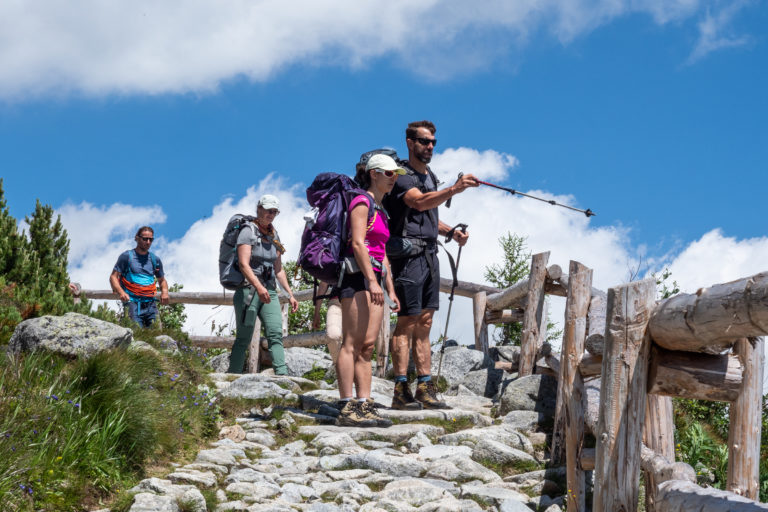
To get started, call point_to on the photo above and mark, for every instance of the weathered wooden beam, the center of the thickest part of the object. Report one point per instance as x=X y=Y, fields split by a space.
x=662 y=469
x=511 y=297
x=568 y=433
x=587 y=459
x=622 y=395
x=692 y=375
x=659 y=437
x=504 y=316
x=713 y=318
x=534 y=319
x=744 y=427
x=481 y=327
x=682 y=496
x=590 y=366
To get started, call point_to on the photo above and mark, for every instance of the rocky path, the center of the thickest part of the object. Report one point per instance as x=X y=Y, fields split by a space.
x=291 y=457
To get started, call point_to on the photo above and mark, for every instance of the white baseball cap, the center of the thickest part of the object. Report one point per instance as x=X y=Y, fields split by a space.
x=383 y=162
x=268 y=202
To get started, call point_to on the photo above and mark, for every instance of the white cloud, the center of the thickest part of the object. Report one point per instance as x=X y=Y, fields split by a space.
x=152 y=47
x=715 y=31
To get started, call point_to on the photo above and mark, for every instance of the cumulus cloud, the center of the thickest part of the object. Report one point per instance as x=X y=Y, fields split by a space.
x=153 y=47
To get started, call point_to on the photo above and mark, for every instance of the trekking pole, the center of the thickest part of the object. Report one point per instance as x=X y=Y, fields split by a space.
x=587 y=212
x=454 y=271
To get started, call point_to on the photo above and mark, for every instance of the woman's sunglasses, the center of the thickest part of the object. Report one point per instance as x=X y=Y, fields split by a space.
x=389 y=174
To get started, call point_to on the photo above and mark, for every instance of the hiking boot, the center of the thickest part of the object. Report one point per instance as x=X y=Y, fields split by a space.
x=403 y=398
x=368 y=410
x=426 y=393
x=351 y=415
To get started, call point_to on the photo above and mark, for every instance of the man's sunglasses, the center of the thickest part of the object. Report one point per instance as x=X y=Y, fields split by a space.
x=389 y=174
x=147 y=238
x=425 y=141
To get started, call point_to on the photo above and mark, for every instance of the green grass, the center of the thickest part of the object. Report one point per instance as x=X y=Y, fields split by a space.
x=74 y=432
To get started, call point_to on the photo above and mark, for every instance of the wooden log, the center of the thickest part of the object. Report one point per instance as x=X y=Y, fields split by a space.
x=568 y=433
x=622 y=395
x=587 y=459
x=744 y=427
x=712 y=319
x=590 y=366
x=254 y=349
x=592 y=413
x=481 y=328
x=662 y=469
x=511 y=297
x=465 y=288
x=596 y=322
x=658 y=437
x=692 y=375
x=504 y=316
x=682 y=496
x=534 y=314
x=554 y=272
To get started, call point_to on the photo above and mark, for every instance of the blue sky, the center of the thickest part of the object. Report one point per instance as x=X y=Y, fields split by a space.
x=653 y=114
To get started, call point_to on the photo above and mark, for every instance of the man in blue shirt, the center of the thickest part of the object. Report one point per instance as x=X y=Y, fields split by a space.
x=135 y=278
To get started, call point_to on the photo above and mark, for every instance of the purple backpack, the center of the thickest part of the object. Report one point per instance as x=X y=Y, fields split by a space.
x=324 y=242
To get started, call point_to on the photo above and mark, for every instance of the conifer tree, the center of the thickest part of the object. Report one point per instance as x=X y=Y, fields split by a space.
x=13 y=247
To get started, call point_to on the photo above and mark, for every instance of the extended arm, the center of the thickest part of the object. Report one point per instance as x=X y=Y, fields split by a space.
x=283 y=280
x=114 y=282
x=164 y=297
x=459 y=236
x=417 y=200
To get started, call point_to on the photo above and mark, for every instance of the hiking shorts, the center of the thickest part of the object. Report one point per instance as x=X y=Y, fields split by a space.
x=353 y=283
x=417 y=283
x=143 y=313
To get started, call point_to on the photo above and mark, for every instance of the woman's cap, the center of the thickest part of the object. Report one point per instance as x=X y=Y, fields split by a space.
x=268 y=202
x=383 y=162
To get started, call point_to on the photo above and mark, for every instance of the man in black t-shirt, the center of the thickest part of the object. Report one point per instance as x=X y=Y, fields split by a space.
x=412 y=206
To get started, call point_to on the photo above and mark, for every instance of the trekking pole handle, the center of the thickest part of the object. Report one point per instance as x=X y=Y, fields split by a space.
x=448 y=202
x=460 y=226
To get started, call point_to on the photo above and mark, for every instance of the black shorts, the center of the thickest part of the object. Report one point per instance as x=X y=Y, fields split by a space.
x=417 y=283
x=353 y=283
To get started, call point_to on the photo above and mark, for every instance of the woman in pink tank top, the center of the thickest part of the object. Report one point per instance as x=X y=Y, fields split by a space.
x=361 y=293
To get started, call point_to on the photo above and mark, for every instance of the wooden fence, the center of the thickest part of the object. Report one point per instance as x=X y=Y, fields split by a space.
x=638 y=352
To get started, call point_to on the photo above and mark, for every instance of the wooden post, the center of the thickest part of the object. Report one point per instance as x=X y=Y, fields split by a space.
x=659 y=436
x=744 y=428
x=481 y=328
x=568 y=432
x=382 y=343
x=254 y=349
x=534 y=308
x=286 y=310
x=622 y=396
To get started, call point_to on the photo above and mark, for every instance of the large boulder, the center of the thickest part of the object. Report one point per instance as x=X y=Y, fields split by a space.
x=530 y=393
x=484 y=382
x=457 y=362
x=70 y=335
x=300 y=360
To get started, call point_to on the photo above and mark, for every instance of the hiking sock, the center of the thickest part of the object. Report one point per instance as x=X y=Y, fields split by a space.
x=424 y=378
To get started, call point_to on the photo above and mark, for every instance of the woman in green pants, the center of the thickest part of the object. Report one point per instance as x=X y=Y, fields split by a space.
x=258 y=256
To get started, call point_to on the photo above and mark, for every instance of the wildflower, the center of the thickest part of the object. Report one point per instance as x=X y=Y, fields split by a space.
x=50 y=471
x=34 y=431
x=69 y=401
x=54 y=397
x=197 y=403
x=77 y=405
x=59 y=458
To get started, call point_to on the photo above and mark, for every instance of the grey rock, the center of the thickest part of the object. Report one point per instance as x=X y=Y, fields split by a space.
x=261 y=436
x=219 y=363
x=527 y=421
x=499 y=453
x=339 y=441
x=507 y=353
x=461 y=468
x=295 y=493
x=160 y=486
x=332 y=490
x=494 y=495
x=457 y=362
x=207 y=466
x=254 y=387
x=451 y=505
x=553 y=508
x=439 y=451
x=300 y=360
x=390 y=462
x=138 y=346
x=220 y=456
x=413 y=491
x=534 y=477
x=386 y=506
x=350 y=474
x=252 y=490
x=530 y=393
x=194 y=477
x=513 y=505
x=148 y=502
x=72 y=335
x=167 y=344
x=500 y=433
x=484 y=382
x=417 y=442
x=372 y=444
x=249 y=475
x=193 y=501
x=395 y=433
